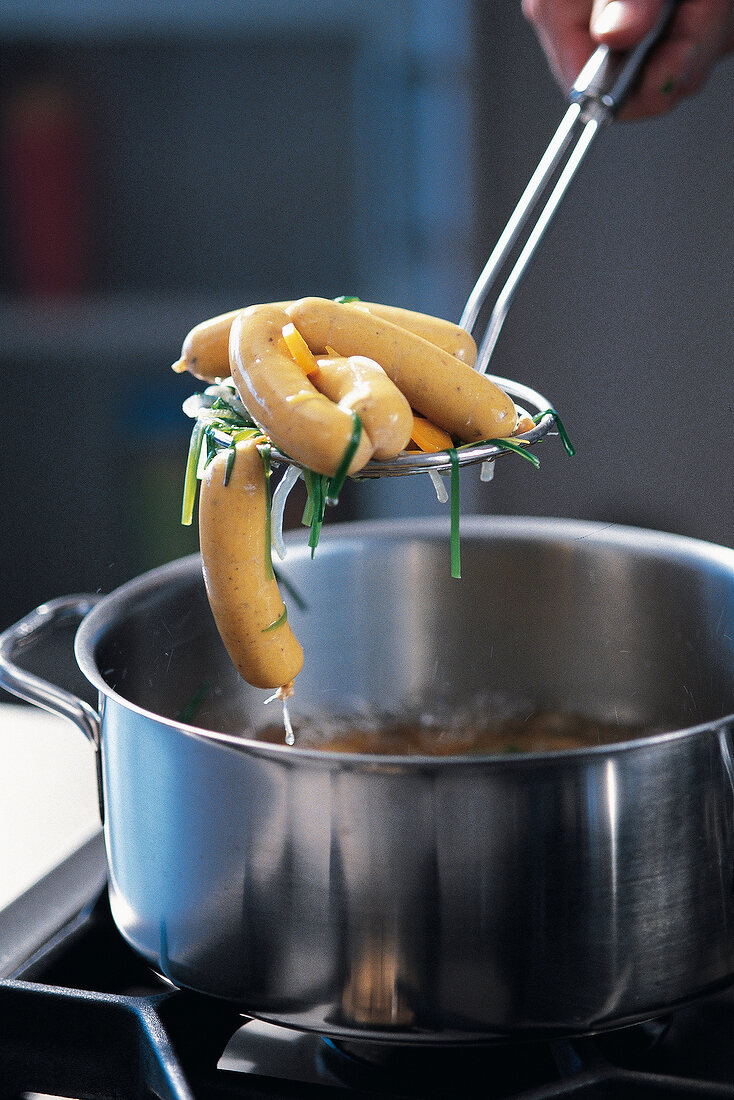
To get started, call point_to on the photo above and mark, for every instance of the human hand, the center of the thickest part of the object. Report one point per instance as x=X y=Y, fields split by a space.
x=702 y=31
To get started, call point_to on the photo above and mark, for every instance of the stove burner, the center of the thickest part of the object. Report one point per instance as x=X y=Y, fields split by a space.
x=83 y=1016
x=463 y=1070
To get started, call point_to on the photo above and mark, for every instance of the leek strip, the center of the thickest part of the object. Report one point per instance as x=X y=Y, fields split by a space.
x=264 y=452
x=280 y=496
x=229 y=463
x=295 y=595
x=455 y=515
x=320 y=483
x=334 y=486
x=282 y=618
x=313 y=537
x=190 y=710
x=510 y=445
x=244 y=433
x=211 y=443
x=190 y=479
x=307 y=516
x=567 y=444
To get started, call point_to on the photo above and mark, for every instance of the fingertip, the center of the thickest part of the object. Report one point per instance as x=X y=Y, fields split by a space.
x=622 y=23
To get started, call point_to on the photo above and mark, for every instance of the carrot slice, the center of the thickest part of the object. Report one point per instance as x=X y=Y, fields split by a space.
x=524 y=424
x=428 y=437
x=299 y=349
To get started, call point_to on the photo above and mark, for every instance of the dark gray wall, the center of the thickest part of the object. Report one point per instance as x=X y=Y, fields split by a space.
x=625 y=321
x=239 y=153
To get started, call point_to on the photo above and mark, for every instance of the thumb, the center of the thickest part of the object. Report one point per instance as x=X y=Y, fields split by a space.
x=620 y=24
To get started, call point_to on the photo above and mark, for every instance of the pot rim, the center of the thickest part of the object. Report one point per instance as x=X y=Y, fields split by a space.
x=645 y=541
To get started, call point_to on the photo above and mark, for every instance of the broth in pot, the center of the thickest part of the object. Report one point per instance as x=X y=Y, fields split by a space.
x=538 y=731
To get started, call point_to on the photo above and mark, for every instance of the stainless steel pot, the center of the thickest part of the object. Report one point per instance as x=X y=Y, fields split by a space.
x=426 y=899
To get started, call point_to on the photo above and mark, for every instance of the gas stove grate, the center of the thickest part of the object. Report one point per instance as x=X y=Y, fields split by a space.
x=82 y=1016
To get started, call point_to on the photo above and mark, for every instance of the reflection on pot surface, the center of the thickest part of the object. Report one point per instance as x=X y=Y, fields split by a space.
x=432 y=898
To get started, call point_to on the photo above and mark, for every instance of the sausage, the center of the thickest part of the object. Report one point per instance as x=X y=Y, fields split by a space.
x=361 y=385
x=300 y=421
x=205 y=350
x=440 y=387
x=310 y=419
x=444 y=334
x=243 y=593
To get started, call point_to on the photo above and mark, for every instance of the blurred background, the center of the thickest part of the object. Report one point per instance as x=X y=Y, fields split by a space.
x=166 y=161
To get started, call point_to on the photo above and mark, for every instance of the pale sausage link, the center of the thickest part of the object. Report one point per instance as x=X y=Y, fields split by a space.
x=310 y=419
x=205 y=350
x=300 y=421
x=243 y=593
x=468 y=405
x=361 y=385
x=444 y=334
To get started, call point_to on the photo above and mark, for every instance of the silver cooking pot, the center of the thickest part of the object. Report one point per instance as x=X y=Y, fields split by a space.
x=425 y=899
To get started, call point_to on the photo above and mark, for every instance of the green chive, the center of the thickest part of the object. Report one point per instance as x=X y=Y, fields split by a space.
x=211 y=443
x=264 y=452
x=282 y=618
x=229 y=463
x=191 y=708
x=291 y=589
x=313 y=514
x=511 y=445
x=320 y=485
x=567 y=444
x=245 y=433
x=192 y=467
x=455 y=515
x=337 y=481
x=315 y=524
x=233 y=415
x=308 y=510
x=344 y=298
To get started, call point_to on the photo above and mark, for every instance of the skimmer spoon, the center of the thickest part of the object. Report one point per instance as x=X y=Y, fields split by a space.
x=600 y=90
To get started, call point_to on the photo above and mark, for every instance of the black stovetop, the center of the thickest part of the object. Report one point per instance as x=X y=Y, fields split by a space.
x=82 y=1016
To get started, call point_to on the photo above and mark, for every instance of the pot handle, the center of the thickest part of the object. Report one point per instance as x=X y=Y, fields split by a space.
x=36 y=626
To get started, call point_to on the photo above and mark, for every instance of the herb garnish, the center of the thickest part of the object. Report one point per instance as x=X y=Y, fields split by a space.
x=337 y=481
x=509 y=445
x=229 y=462
x=313 y=513
x=282 y=618
x=192 y=466
x=264 y=452
x=221 y=421
x=189 y=711
x=567 y=444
